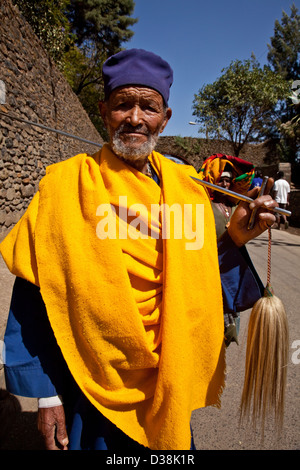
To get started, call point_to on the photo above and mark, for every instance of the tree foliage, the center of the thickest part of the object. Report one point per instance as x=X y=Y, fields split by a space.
x=104 y=23
x=79 y=35
x=284 y=50
x=100 y=28
x=284 y=59
x=50 y=24
x=239 y=104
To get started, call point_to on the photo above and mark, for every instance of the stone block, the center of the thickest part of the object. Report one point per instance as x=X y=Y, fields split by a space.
x=27 y=191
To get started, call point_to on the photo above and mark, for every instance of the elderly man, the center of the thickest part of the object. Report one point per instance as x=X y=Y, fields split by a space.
x=116 y=320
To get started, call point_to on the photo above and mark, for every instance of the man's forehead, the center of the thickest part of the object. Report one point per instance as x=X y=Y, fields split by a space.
x=135 y=92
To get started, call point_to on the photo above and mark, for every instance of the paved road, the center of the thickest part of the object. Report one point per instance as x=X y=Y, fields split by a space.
x=213 y=429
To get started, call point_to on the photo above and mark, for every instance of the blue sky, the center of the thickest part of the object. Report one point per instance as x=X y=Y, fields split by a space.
x=199 y=38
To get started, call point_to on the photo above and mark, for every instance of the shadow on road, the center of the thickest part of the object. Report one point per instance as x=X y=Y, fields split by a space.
x=18 y=430
x=264 y=242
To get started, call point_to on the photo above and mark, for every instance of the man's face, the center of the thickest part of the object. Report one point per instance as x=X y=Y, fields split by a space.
x=224 y=182
x=134 y=117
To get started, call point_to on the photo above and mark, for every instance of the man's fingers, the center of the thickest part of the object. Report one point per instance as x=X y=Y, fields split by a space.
x=267 y=218
x=264 y=217
x=51 y=424
x=263 y=202
x=61 y=433
x=255 y=191
x=47 y=430
x=50 y=440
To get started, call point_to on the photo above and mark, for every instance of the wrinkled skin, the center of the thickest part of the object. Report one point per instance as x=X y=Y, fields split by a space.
x=52 y=426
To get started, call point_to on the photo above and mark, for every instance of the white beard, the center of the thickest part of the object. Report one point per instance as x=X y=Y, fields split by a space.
x=132 y=153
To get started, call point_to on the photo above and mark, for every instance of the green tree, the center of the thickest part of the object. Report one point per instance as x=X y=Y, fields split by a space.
x=50 y=24
x=284 y=50
x=284 y=59
x=79 y=36
x=104 y=23
x=240 y=103
x=100 y=28
x=85 y=77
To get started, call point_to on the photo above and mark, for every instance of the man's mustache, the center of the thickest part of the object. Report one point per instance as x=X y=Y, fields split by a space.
x=139 y=129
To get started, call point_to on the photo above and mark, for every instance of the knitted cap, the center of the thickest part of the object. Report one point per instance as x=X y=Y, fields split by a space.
x=137 y=67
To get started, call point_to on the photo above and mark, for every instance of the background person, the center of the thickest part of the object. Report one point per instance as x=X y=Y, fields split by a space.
x=234 y=174
x=222 y=205
x=223 y=208
x=257 y=180
x=281 y=194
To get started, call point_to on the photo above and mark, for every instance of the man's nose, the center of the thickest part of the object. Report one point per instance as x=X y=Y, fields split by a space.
x=134 y=116
x=224 y=184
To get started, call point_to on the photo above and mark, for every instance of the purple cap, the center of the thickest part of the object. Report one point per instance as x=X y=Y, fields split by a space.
x=137 y=67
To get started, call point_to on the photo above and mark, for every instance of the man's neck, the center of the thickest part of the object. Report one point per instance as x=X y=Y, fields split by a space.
x=141 y=166
x=139 y=163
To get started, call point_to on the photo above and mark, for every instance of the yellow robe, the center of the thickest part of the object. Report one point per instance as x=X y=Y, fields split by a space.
x=138 y=318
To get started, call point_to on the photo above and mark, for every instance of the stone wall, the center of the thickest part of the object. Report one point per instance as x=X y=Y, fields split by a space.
x=36 y=91
x=197 y=150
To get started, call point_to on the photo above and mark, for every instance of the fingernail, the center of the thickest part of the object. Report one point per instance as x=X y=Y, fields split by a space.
x=267 y=203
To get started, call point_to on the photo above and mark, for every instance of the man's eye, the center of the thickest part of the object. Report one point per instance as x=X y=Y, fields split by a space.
x=122 y=105
x=151 y=108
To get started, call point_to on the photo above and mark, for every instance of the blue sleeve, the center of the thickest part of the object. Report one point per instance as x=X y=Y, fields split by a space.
x=241 y=285
x=34 y=365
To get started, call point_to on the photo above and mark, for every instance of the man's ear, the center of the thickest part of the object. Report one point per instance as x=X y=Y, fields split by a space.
x=167 y=117
x=103 y=110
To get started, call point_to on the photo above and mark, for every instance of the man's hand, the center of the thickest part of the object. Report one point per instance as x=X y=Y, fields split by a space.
x=238 y=228
x=51 y=424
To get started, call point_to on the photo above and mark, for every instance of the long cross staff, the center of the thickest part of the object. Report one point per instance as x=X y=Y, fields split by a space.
x=241 y=197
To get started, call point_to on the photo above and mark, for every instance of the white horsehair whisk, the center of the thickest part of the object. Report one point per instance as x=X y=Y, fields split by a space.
x=266 y=359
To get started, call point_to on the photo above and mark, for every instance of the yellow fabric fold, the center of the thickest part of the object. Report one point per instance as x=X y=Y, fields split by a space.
x=139 y=320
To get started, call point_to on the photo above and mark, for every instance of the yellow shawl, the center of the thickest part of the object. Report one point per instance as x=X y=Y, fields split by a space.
x=139 y=321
